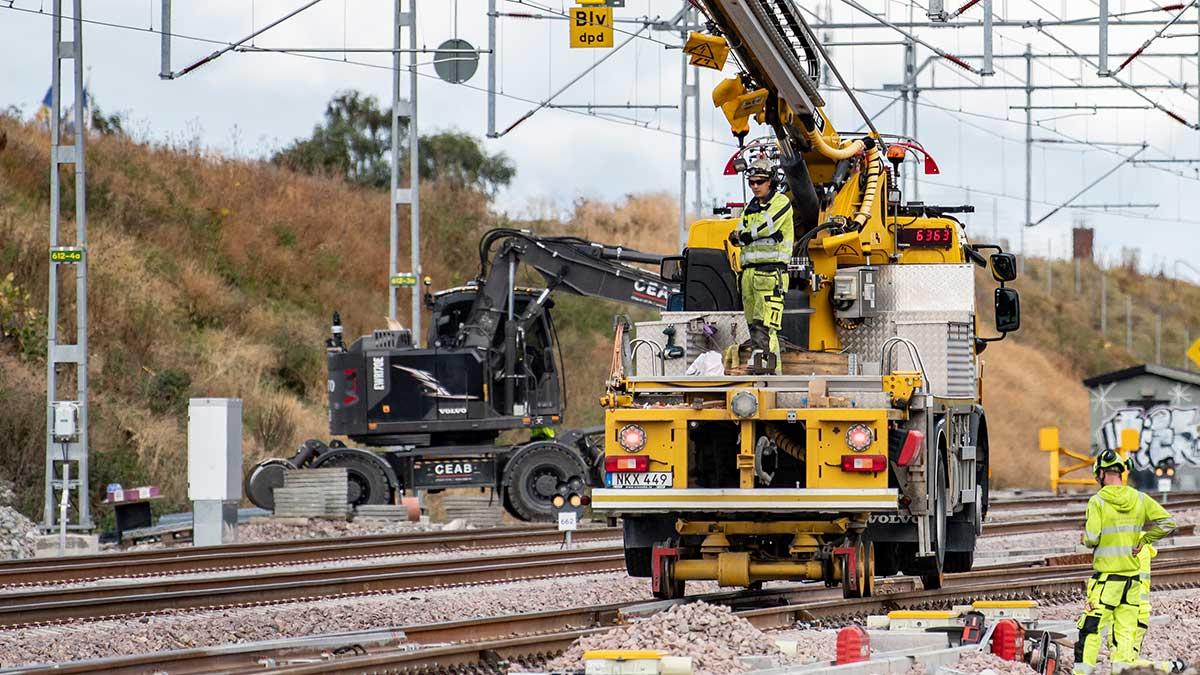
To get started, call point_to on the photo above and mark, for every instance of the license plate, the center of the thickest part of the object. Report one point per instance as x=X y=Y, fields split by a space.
x=653 y=479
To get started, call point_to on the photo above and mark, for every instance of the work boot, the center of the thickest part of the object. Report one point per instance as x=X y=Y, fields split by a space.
x=760 y=362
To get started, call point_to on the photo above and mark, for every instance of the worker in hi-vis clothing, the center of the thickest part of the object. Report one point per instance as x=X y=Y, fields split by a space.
x=765 y=236
x=1115 y=531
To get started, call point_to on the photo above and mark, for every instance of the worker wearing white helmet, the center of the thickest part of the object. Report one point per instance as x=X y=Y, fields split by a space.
x=765 y=235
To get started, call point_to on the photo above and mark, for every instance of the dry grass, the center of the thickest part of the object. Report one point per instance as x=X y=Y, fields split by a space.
x=1026 y=389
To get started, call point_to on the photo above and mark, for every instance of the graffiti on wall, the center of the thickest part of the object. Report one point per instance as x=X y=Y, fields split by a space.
x=1164 y=432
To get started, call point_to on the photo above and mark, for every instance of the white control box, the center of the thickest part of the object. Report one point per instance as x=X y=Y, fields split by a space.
x=215 y=449
x=66 y=421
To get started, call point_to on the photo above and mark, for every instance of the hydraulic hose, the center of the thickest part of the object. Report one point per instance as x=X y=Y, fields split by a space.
x=836 y=154
x=872 y=187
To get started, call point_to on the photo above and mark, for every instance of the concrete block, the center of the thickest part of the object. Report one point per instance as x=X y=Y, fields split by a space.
x=46 y=546
x=883 y=641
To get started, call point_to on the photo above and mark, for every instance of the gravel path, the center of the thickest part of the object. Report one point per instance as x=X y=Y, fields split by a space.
x=448 y=554
x=199 y=628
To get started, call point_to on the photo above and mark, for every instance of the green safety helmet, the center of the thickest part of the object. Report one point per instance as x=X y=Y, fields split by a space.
x=1108 y=460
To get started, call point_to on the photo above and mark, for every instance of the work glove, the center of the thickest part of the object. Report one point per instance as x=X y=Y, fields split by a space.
x=746 y=238
x=733 y=238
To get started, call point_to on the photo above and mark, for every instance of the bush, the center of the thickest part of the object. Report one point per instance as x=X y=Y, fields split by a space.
x=299 y=365
x=167 y=391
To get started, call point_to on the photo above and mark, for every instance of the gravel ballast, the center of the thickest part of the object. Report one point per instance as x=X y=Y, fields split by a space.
x=711 y=634
x=200 y=628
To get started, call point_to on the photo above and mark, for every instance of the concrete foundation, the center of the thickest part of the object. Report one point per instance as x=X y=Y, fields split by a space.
x=213 y=522
x=46 y=545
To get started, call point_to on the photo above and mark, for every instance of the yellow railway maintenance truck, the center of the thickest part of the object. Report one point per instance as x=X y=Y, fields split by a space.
x=868 y=454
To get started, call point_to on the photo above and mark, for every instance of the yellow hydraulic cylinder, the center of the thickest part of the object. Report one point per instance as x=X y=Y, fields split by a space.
x=737 y=569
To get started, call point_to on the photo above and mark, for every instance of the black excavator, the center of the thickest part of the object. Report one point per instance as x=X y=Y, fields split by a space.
x=430 y=418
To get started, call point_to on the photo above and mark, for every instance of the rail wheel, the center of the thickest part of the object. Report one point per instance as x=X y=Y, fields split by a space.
x=666 y=586
x=868 y=556
x=854 y=571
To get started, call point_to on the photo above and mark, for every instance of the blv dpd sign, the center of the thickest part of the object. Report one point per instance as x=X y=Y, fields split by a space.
x=591 y=27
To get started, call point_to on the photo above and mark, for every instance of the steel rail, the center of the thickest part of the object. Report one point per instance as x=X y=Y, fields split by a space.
x=59 y=604
x=247 y=555
x=495 y=655
x=551 y=630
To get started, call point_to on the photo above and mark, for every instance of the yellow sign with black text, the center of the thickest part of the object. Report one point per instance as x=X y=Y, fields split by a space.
x=591 y=27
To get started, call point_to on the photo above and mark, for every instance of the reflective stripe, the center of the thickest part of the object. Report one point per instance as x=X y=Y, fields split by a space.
x=1090 y=537
x=1113 y=551
x=1145 y=597
x=764 y=256
x=1120 y=528
x=1083 y=669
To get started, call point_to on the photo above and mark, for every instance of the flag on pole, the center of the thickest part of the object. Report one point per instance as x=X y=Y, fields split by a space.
x=43 y=111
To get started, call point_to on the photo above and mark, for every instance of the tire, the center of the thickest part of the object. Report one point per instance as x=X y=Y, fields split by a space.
x=638 y=562
x=886 y=562
x=366 y=481
x=534 y=475
x=931 y=576
x=868 y=555
x=959 y=561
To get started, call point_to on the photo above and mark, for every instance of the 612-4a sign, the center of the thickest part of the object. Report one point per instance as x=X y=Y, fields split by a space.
x=591 y=27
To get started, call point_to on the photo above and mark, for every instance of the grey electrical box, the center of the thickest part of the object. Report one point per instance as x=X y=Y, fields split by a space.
x=855 y=291
x=66 y=421
x=215 y=449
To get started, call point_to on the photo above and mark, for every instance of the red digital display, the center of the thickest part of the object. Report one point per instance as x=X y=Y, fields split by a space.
x=927 y=237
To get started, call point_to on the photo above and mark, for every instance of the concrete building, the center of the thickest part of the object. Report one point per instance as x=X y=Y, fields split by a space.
x=1163 y=404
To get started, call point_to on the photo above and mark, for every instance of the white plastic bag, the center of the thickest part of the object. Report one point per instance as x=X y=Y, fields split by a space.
x=708 y=363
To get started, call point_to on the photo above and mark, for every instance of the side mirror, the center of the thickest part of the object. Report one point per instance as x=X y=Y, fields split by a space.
x=1004 y=267
x=671 y=269
x=1008 y=310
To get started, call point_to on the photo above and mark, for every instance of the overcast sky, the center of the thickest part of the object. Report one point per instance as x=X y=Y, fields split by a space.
x=249 y=104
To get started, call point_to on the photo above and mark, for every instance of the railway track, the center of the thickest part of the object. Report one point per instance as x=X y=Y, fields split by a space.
x=490 y=644
x=258 y=554
x=243 y=556
x=1044 y=501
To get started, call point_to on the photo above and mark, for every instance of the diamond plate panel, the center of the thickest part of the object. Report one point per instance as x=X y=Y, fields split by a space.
x=731 y=329
x=926 y=288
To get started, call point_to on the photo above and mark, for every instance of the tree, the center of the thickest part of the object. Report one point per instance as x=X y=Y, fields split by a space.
x=458 y=157
x=355 y=142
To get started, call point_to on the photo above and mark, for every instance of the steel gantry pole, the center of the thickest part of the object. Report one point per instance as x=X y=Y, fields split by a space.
x=1028 y=149
x=405 y=111
x=414 y=178
x=67 y=421
x=396 y=198
x=491 y=105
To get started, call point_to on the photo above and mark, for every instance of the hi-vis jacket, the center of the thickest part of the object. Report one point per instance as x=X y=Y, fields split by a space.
x=1116 y=516
x=770 y=230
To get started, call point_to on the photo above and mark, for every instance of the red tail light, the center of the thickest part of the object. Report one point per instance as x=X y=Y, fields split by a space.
x=913 y=443
x=351 y=385
x=864 y=463
x=638 y=464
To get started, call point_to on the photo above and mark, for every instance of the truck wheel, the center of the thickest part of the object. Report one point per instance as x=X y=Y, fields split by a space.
x=366 y=483
x=959 y=561
x=931 y=575
x=637 y=561
x=534 y=475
